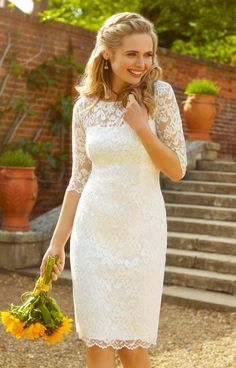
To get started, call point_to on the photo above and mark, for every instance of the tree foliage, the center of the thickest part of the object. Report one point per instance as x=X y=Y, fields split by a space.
x=86 y=13
x=202 y=28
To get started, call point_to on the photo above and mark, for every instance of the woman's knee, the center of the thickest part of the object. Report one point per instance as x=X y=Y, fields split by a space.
x=95 y=352
x=130 y=356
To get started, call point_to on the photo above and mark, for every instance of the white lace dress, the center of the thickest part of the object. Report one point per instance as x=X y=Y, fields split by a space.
x=119 y=237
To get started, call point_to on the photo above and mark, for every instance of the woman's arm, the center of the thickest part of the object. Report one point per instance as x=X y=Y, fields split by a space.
x=168 y=150
x=61 y=233
x=81 y=168
x=162 y=156
x=66 y=218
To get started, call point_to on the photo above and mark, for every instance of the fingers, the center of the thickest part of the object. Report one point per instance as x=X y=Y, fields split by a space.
x=42 y=267
x=131 y=98
x=57 y=269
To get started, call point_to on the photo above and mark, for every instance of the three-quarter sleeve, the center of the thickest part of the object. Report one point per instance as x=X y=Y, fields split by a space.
x=81 y=164
x=168 y=122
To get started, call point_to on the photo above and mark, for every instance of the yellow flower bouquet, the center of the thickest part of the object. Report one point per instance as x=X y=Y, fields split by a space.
x=39 y=315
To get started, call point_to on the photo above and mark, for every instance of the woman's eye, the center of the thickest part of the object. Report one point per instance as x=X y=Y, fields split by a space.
x=133 y=54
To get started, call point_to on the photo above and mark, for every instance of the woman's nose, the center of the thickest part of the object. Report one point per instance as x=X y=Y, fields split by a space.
x=140 y=62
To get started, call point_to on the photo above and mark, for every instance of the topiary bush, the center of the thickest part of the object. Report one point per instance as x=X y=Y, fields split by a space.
x=202 y=86
x=17 y=158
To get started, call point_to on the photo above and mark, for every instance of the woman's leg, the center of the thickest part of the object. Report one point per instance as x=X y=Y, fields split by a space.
x=100 y=358
x=136 y=358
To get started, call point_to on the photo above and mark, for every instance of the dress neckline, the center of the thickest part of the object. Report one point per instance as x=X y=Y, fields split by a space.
x=111 y=101
x=112 y=104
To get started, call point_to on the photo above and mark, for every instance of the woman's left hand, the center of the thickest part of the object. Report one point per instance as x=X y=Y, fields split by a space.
x=135 y=115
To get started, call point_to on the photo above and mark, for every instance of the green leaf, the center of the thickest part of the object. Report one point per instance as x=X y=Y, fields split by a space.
x=195 y=27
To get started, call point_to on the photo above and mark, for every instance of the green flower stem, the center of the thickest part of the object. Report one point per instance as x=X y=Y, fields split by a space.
x=46 y=278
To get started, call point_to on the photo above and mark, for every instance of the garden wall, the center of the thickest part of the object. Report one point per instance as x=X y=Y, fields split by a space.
x=36 y=42
x=179 y=70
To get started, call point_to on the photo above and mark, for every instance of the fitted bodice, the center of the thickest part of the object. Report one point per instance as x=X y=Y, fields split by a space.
x=119 y=160
x=103 y=143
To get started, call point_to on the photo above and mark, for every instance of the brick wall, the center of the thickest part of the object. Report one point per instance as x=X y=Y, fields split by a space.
x=40 y=42
x=179 y=70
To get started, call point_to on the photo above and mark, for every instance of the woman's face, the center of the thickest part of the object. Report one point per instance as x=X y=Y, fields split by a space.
x=131 y=60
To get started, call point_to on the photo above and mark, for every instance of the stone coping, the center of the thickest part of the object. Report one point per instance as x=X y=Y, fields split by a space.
x=197 y=150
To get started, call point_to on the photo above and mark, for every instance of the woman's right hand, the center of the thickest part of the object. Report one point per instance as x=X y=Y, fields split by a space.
x=59 y=266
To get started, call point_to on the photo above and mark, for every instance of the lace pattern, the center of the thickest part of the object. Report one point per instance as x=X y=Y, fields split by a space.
x=109 y=114
x=81 y=165
x=119 y=344
x=169 y=123
x=119 y=235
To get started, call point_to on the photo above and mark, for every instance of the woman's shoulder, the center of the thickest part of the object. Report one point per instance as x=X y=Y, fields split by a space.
x=82 y=102
x=161 y=87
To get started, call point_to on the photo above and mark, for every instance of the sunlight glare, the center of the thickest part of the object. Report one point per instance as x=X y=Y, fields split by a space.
x=26 y=6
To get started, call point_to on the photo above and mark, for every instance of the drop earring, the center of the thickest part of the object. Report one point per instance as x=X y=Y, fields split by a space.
x=106 y=65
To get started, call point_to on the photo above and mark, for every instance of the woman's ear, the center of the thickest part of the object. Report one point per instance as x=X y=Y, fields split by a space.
x=105 y=55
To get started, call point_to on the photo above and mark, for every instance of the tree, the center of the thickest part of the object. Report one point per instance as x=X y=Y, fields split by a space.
x=86 y=13
x=202 y=28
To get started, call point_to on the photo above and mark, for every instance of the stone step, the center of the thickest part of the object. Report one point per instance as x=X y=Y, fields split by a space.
x=202 y=242
x=190 y=246
x=201 y=175
x=199 y=226
x=181 y=295
x=205 y=199
x=203 y=212
x=201 y=260
x=200 y=279
x=198 y=298
x=201 y=187
x=217 y=165
x=195 y=242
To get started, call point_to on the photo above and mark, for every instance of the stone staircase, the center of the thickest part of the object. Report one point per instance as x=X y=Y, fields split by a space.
x=201 y=254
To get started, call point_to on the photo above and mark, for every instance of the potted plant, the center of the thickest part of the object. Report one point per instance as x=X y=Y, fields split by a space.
x=18 y=189
x=200 y=108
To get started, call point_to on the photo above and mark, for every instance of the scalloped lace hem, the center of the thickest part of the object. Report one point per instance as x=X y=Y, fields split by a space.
x=118 y=344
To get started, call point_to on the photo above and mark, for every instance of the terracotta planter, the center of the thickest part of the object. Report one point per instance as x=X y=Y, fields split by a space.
x=199 y=114
x=18 y=194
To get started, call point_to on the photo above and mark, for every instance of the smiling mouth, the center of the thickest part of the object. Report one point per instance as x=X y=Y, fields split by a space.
x=135 y=73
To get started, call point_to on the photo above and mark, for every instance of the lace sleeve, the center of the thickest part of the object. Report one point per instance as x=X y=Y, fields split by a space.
x=81 y=164
x=169 y=123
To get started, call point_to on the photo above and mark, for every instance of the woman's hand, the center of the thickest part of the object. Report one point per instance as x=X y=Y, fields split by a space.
x=136 y=115
x=59 y=266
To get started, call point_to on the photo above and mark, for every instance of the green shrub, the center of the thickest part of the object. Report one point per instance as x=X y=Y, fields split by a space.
x=17 y=158
x=202 y=86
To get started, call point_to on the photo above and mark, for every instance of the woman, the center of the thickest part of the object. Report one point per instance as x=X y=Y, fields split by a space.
x=126 y=128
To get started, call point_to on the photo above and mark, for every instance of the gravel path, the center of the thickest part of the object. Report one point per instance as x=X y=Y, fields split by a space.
x=188 y=338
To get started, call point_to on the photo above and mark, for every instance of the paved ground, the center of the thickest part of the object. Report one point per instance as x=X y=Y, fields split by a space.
x=188 y=338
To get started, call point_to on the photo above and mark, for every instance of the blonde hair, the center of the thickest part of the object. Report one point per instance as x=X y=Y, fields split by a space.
x=96 y=81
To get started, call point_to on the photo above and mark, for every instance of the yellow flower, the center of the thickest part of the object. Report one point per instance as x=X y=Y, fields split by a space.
x=39 y=301
x=58 y=334
x=55 y=337
x=6 y=318
x=17 y=328
x=34 y=331
x=13 y=324
x=66 y=325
